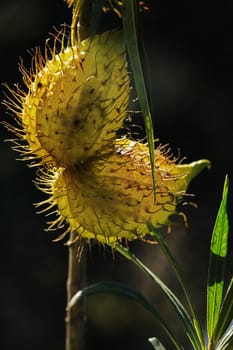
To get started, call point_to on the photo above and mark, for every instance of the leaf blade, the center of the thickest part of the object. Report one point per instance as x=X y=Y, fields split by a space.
x=226 y=342
x=175 y=302
x=129 y=18
x=156 y=344
x=218 y=252
x=226 y=314
x=125 y=291
x=163 y=246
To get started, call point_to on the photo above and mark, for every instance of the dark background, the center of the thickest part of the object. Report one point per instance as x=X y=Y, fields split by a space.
x=190 y=56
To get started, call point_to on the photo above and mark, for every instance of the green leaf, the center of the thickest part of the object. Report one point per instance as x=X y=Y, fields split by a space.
x=156 y=344
x=179 y=308
x=218 y=252
x=130 y=25
x=95 y=16
x=127 y=292
x=163 y=246
x=226 y=342
x=226 y=314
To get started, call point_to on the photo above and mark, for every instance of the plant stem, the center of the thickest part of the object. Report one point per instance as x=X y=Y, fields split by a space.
x=76 y=280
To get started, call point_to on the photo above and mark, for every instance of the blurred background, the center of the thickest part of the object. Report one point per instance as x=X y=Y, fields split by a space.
x=189 y=51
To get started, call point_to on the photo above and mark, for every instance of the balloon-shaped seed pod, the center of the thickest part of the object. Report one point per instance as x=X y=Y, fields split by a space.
x=75 y=101
x=113 y=198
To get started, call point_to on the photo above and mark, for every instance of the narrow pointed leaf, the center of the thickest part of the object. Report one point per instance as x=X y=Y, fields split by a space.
x=226 y=342
x=225 y=316
x=218 y=252
x=171 y=297
x=163 y=246
x=129 y=17
x=127 y=292
x=95 y=16
x=156 y=344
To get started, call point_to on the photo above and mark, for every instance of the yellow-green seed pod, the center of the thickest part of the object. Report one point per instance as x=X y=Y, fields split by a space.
x=113 y=198
x=76 y=100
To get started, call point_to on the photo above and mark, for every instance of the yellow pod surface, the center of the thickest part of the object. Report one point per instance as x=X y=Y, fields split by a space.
x=77 y=100
x=113 y=198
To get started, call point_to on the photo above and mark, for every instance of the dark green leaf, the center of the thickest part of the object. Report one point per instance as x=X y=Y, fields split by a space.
x=127 y=292
x=218 y=251
x=95 y=16
x=163 y=246
x=130 y=25
x=179 y=308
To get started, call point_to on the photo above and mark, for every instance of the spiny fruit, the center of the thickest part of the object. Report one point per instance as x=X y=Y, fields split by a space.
x=112 y=198
x=68 y=118
x=76 y=100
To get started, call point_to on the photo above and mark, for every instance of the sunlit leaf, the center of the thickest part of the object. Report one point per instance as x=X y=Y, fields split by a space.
x=156 y=344
x=218 y=252
x=225 y=316
x=226 y=342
